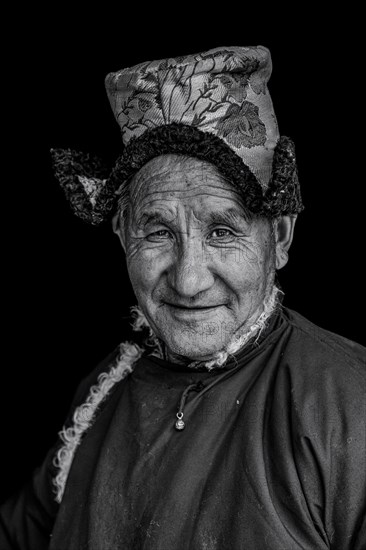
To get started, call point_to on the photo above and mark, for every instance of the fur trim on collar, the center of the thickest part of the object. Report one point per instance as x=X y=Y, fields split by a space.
x=84 y=415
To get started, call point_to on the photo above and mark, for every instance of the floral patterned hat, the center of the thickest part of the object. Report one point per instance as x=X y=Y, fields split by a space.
x=214 y=106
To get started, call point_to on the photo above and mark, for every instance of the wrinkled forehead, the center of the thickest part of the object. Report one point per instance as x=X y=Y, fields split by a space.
x=180 y=177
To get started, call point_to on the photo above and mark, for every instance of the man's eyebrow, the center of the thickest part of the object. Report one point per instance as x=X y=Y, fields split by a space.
x=229 y=216
x=146 y=218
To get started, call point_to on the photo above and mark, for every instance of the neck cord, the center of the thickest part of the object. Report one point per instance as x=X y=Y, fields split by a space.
x=198 y=386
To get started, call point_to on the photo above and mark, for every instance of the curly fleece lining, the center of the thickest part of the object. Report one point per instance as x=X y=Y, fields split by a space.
x=282 y=195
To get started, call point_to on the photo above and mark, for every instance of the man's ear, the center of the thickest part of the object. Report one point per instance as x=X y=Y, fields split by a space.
x=118 y=228
x=284 y=232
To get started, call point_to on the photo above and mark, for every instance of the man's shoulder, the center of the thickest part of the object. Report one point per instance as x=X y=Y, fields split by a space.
x=326 y=376
x=91 y=379
x=108 y=372
x=322 y=348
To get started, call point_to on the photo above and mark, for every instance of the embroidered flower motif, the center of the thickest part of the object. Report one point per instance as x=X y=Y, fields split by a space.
x=236 y=85
x=241 y=126
x=193 y=90
x=144 y=104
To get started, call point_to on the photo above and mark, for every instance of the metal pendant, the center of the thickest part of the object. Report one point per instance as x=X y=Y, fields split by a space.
x=180 y=424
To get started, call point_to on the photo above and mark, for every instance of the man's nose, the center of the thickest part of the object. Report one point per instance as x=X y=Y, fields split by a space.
x=190 y=271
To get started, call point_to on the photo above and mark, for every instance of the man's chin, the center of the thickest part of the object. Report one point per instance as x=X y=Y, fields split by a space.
x=197 y=338
x=191 y=350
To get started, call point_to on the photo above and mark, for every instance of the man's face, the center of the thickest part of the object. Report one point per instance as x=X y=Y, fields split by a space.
x=199 y=267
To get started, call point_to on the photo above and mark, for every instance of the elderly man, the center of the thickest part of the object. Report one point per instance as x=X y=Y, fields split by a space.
x=239 y=424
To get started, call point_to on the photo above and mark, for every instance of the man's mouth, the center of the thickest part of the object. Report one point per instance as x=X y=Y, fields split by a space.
x=181 y=310
x=195 y=307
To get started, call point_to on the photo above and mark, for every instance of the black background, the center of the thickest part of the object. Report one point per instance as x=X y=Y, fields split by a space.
x=66 y=294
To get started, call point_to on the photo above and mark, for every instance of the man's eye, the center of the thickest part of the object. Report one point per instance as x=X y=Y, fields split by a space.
x=158 y=236
x=221 y=234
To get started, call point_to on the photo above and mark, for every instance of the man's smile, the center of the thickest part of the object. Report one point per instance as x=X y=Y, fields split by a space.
x=184 y=306
x=182 y=311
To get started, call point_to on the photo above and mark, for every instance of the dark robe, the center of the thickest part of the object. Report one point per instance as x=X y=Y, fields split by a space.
x=272 y=456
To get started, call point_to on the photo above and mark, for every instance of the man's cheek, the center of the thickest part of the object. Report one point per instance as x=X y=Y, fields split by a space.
x=143 y=273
